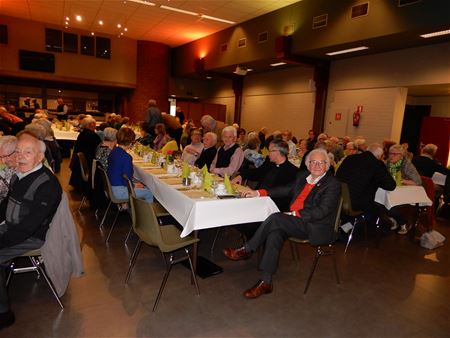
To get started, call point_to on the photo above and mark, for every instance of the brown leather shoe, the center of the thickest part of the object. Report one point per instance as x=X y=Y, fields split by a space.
x=258 y=289
x=236 y=254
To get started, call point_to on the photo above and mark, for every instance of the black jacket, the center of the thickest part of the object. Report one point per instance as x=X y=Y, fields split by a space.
x=364 y=174
x=320 y=206
x=427 y=167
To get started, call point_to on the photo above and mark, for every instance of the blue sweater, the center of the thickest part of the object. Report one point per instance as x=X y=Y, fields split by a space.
x=119 y=163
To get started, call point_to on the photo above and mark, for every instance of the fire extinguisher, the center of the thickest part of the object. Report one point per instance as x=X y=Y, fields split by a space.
x=357 y=116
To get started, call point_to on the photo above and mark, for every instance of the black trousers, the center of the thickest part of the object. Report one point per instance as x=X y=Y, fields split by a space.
x=273 y=232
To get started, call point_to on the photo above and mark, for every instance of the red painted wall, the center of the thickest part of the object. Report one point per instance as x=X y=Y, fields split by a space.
x=152 y=79
x=437 y=130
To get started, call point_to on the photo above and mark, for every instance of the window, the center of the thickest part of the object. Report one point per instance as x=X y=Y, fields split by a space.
x=103 y=48
x=70 y=43
x=87 y=45
x=53 y=40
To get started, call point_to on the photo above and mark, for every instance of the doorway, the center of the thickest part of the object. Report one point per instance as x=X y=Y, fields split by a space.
x=412 y=121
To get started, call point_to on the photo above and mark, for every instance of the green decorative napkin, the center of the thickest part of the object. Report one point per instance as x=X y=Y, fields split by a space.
x=228 y=185
x=204 y=170
x=207 y=181
x=186 y=170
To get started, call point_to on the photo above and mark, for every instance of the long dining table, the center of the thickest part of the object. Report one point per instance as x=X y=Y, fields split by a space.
x=196 y=209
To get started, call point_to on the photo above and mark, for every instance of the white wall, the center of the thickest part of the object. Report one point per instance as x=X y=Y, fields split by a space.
x=440 y=105
x=278 y=100
x=378 y=83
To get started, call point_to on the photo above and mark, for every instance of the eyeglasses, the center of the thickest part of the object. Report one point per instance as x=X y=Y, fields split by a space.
x=5 y=156
x=317 y=163
x=395 y=154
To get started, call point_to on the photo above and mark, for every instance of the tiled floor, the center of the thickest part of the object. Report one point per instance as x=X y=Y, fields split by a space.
x=397 y=290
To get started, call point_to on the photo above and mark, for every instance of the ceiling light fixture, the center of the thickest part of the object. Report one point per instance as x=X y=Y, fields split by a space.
x=79 y=18
x=100 y=22
x=142 y=2
x=125 y=29
x=277 y=64
x=432 y=35
x=119 y=25
x=350 y=50
x=203 y=16
x=92 y=33
x=67 y=18
x=178 y=10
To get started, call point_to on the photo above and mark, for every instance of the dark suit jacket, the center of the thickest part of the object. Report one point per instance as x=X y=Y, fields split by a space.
x=427 y=167
x=364 y=174
x=319 y=211
x=270 y=175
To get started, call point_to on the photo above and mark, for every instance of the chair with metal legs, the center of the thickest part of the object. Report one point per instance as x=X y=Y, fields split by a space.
x=166 y=238
x=112 y=200
x=37 y=266
x=84 y=168
x=160 y=211
x=321 y=250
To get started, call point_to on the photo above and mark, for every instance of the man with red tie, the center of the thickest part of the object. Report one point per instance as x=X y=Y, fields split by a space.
x=314 y=201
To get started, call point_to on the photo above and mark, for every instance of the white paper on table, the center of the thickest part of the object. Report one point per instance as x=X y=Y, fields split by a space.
x=439 y=178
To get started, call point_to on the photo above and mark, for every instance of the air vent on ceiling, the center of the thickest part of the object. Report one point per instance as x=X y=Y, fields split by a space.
x=360 y=10
x=402 y=3
x=242 y=42
x=320 y=21
x=262 y=37
x=223 y=47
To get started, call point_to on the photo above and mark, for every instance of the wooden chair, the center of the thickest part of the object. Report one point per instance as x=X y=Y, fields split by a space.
x=321 y=250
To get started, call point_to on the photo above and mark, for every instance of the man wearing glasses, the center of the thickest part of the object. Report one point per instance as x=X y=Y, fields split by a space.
x=8 y=163
x=314 y=200
x=27 y=211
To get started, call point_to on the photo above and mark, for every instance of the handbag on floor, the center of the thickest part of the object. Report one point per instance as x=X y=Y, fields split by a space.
x=432 y=239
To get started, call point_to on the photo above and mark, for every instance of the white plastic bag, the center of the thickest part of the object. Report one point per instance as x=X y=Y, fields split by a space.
x=432 y=239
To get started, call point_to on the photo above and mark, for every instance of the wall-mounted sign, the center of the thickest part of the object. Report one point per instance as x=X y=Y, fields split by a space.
x=338 y=116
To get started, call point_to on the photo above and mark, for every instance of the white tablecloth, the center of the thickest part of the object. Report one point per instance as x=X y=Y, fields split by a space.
x=198 y=214
x=403 y=195
x=65 y=135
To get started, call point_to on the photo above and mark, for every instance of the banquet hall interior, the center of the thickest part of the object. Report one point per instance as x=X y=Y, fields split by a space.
x=280 y=64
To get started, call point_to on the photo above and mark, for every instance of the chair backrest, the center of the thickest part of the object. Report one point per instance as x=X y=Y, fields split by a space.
x=130 y=186
x=145 y=223
x=93 y=170
x=337 y=222
x=428 y=185
x=347 y=202
x=83 y=167
x=107 y=186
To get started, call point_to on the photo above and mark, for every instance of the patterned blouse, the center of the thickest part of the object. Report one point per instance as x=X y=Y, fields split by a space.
x=5 y=177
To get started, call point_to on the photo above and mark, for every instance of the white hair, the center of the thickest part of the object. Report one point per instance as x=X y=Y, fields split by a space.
x=324 y=154
x=376 y=149
x=8 y=142
x=213 y=136
x=230 y=129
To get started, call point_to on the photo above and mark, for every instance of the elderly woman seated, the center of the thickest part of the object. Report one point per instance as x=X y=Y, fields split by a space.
x=8 y=163
x=120 y=163
x=108 y=144
x=404 y=173
x=193 y=150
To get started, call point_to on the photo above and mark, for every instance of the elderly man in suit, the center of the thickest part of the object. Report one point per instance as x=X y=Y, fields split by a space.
x=314 y=200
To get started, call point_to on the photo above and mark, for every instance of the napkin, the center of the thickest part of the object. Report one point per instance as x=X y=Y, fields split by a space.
x=186 y=170
x=207 y=181
x=204 y=170
x=228 y=185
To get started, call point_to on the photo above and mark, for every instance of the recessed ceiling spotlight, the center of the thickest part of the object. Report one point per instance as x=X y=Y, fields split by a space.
x=67 y=22
x=121 y=33
x=277 y=64
x=119 y=25
x=432 y=35
x=125 y=29
x=92 y=33
x=67 y=18
x=100 y=22
x=79 y=18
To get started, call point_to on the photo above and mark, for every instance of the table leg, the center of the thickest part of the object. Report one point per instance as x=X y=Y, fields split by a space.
x=194 y=254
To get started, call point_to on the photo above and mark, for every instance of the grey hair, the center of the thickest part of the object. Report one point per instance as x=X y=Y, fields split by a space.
x=319 y=151
x=37 y=130
x=360 y=143
x=281 y=146
x=376 y=149
x=213 y=135
x=429 y=149
x=86 y=122
x=208 y=121
x=230 y=129
x=109 y=134
x=42 y=147
x=399 y=148
x=8 y=142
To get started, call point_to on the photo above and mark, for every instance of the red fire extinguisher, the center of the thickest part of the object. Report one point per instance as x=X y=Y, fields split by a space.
x=357 y=116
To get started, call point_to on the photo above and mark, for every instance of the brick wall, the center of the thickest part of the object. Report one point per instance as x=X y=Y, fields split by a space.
x=152 y=79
